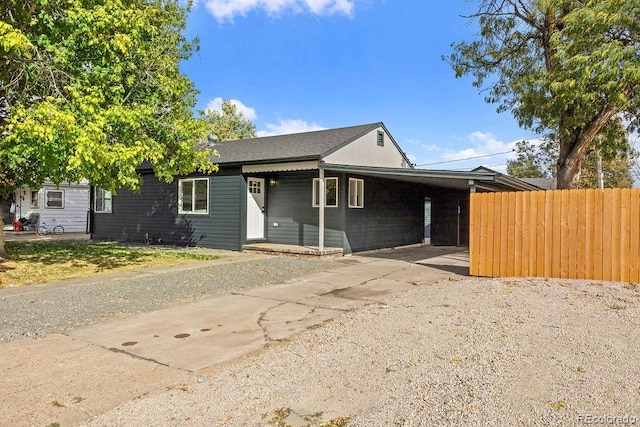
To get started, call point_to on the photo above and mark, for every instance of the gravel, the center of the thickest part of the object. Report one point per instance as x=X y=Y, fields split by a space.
x=472 y=352
x=56 y=310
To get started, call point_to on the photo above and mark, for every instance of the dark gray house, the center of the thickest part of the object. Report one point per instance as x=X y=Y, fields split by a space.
x=351 y=188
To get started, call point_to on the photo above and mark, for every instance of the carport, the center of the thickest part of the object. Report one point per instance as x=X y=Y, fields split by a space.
x=449 y=192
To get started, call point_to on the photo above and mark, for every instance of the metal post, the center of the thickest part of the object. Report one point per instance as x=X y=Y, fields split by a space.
x=321 y=212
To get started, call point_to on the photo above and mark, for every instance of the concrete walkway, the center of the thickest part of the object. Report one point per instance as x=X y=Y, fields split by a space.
x=68 y=378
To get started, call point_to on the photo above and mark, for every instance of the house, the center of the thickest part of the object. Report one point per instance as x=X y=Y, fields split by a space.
x=270 y=190
x=67 y=203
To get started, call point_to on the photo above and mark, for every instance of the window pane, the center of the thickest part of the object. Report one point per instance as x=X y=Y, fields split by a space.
x=34 y=200
x=332 y=192
x=201 y=203
x=54 y=199
x=187 y=196
x=316 y=192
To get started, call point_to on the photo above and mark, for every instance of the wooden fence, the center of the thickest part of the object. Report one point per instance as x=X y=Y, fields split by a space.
x=581 y=234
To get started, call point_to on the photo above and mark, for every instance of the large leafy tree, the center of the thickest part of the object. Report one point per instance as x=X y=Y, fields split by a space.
x=91 y=89
x=539 y=161
x=229 y=123
x=568 y=69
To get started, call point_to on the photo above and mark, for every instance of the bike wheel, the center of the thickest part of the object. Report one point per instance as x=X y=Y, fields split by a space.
x=58 y=229
x=41 y=230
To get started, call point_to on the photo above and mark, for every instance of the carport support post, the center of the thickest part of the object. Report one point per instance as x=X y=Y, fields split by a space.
x=321 y=212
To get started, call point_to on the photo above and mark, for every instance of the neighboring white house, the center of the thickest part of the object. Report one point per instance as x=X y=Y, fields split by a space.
x=68 y=204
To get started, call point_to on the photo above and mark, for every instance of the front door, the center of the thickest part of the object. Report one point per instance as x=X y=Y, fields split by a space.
x=255 y=208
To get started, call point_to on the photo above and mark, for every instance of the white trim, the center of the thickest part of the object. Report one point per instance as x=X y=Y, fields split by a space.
x=323 y=182
x=193 y=196
x=356 y=205
x=103 y=208
x=280 y=167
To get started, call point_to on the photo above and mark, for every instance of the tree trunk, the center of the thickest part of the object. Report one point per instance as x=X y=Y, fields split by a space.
x=3 y=252
x=568 y=174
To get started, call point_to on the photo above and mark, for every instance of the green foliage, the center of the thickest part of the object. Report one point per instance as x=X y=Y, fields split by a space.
x=229 y=123
x=567 y=69
x=92 y=89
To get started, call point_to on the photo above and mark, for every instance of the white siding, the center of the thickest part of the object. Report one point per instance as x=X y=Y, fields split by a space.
x=73 y=216
x=365 y=151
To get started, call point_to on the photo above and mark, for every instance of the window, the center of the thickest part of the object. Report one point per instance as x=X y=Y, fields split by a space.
x=356 y=193
x=35 y=202
x=193 y=196
x=331 y=187
x=103 y=202
x=381 y=138
x=54 y=199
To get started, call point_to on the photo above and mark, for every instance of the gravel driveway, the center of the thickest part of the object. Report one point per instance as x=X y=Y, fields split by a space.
x=470 y=352
x=56 y=310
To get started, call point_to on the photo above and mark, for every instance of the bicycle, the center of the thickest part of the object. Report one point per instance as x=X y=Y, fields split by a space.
x=48 y=229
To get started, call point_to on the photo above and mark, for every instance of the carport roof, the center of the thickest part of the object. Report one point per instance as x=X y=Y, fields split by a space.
x=484 y=180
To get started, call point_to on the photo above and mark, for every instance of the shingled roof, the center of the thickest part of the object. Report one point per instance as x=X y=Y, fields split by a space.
x=293 y=147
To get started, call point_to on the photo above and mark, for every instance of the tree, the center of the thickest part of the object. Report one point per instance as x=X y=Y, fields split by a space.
x=568 y=69
x=91 y=89
x=540 y=162
x=228 y=123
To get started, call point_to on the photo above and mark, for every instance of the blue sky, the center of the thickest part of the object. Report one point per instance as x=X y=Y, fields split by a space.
x=298 y=65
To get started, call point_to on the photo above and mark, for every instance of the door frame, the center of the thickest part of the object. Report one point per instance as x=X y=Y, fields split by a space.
x=260 y=214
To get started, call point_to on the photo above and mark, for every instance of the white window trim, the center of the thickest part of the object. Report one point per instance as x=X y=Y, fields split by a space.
x=356 y=181
x=46 y=199
x=317 y=180
x=95 y=201
x=193 y=195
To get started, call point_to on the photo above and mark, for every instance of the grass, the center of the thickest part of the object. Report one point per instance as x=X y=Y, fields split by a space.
x=41 y=262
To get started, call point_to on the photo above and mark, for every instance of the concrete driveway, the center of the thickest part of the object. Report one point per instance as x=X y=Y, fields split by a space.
x=69 y=378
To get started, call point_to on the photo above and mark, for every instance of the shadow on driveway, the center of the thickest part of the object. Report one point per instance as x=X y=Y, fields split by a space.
x=446 y=258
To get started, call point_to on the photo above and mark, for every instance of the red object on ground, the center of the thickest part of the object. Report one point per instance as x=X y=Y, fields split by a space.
x=17 y=226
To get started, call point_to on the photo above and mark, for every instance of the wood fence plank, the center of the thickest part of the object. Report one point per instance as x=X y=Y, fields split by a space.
x=551 y=232
x=565 y=245
x=634 y=236
x=473 y=271
x=504 y=228
x=540 y=234
x=598 y=227
x=589 y=247
x=625 y=200
x=582 y=235
x=607 y=255
x=511 y=220
x=518 y=235
x=497 y=234
x=481 y=250
x=491 y=206
x=616 y=233
x=572 y=242
x=531 y=230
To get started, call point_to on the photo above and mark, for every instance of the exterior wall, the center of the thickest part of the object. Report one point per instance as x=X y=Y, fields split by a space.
x=151 y=216
x=393 y=215
x=365 y=151
x=445 y=221
x=72 y=216
x=291 y=218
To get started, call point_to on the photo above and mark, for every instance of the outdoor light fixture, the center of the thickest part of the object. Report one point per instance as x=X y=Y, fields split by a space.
x=273 y=182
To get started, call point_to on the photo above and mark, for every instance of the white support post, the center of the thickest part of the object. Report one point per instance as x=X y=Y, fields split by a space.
x=321 y=211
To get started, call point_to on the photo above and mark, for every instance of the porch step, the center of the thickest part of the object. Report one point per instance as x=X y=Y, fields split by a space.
x=293 y=250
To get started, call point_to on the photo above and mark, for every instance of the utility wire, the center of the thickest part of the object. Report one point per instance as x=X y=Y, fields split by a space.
x=468 y=158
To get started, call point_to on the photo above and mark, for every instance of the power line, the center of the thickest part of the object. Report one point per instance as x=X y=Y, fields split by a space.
x=468 y=158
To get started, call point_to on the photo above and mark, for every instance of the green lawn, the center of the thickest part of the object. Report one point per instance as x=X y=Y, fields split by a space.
x=40 y=262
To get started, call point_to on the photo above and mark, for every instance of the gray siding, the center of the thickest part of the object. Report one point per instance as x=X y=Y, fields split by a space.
x=393 y=215
x=445 y=221
x=153 y=215
x=289 y=205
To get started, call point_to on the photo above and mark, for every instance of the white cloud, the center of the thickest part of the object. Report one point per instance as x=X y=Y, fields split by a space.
x=226 y=10
x=288 y=126
x=248 y=112
x=483 y=144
